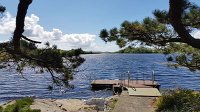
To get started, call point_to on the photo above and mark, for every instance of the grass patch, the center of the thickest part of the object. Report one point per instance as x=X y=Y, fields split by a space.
x=22 y=105
x=180 y=100
x=111 y=104
x=1 y=109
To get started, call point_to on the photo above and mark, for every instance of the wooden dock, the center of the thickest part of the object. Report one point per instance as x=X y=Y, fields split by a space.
x=108 y=84
x=134 y=87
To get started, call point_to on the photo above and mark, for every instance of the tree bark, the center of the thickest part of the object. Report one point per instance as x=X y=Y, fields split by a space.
x=20 y=19
x=175 y=13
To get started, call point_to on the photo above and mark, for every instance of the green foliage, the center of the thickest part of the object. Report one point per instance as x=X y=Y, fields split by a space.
x=50 y=59
x=193 y=15
x=180 y=100
x=160 y=31
x=104 y=34
x=113 y=34
x=27 y=45
x=22 y=105
x=152 y=25
x=161 y=16
x=2 y=9
x=74 y=52
x=1 y=109
x=170 y=58
x=185 y=55
x=190 y=15
x=149 y=32
x=121 y=43
x=179 y=48
x=112 y=102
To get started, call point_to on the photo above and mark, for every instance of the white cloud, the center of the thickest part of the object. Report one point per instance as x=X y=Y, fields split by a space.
x=84 y=40
x=1 y=41
x=7 y=24
x=37 y=32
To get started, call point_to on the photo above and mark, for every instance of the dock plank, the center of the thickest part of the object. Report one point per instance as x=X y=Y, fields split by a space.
x=125 y=83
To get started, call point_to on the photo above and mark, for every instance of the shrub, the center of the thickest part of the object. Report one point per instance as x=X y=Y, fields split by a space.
x=1 y=109
x=112 y=102
x=180 y=100
x=22 y=105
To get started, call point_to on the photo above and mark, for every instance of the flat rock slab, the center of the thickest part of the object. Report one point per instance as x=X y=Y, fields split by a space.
x=143 y=92
x=60 y=105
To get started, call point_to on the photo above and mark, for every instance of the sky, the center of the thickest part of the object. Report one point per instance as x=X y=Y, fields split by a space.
x=77 y=23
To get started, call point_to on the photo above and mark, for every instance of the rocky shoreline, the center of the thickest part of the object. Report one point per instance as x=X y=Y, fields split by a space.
x=72 y=105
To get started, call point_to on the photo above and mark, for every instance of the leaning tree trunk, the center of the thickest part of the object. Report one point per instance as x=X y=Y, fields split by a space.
x=20 y=19
x=175 y=13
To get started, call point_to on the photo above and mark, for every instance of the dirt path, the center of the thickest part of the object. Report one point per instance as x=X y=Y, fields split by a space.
x=128 y=103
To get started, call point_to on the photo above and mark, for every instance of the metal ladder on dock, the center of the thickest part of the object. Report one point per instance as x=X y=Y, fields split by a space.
x=127 y=82
x=124 y=77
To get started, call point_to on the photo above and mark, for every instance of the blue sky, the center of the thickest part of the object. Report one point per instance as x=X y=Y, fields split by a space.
x=80 y=21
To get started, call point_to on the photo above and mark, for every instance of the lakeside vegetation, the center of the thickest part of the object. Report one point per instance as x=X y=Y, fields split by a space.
x=59 y=63
x=21 y=105
x=171 y=48
x=139 y=50
x=180 y=100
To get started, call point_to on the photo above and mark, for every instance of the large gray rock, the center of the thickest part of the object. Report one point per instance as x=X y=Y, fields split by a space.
x=98 y=102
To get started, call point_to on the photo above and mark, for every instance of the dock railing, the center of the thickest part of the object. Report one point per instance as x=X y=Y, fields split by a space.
x=130 y=79
x=153 y=77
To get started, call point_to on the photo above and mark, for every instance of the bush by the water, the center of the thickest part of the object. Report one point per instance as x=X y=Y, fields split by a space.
x=180 y=100
x=22 y=105
x=1 y=109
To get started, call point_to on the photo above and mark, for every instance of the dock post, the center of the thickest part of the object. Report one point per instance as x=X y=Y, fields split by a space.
x=143 y=78
x=153 y=77
x=136 y=79
x=124 y=75
x=131 y=79
x=120 y=78
x=128 y=78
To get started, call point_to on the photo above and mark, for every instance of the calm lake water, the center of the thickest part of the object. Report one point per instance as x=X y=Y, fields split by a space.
x=97 y=66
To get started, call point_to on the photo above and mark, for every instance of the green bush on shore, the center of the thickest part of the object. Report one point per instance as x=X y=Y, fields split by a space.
x=1 y=109
x=180 y=100
x=22 y=105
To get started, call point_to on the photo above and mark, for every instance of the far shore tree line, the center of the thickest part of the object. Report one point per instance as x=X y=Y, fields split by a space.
x=171 y=48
